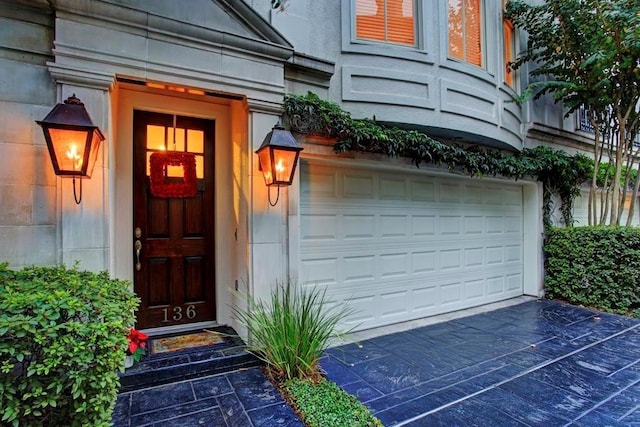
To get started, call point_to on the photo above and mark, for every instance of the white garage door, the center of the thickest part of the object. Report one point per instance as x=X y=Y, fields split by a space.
x=398 y=246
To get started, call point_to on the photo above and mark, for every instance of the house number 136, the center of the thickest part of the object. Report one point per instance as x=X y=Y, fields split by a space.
x=189 y=313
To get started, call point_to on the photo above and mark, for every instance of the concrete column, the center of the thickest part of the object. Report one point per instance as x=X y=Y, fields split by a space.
x=84 y=229
x=267 y=228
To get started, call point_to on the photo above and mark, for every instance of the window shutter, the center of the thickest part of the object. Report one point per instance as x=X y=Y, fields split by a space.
x=473 y=35
x=391 y=21
x=465 y=30
x=456 y=33
x=509 y=42
x=400 y=22
x=370 y=20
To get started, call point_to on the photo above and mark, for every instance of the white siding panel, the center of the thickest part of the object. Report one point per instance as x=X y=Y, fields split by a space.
x=399 y=246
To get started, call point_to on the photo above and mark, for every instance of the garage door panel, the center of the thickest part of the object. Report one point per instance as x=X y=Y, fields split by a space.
x=424 y=298
x=393 y=226
x=386 y=264
x=423 y=225
x=419 y=300
x=474 y=289
x=513 y=224
x=473 y=257
x=450 y=259
x=357 y=246
x=324 y=184
x=495 y=285
x=394 y=303
x=423 y=261
x=394 y=265
x=393 y=188
x=358 y=226
x=324 y=271
x=398 y=246
x=358 y=186
x=473 y=194
x=450 y=193
x=341 y=229
x=423 y=190
x=365 y=286
x=513 y=253
x=319 y=227
x=472 y=224
x=358 y=267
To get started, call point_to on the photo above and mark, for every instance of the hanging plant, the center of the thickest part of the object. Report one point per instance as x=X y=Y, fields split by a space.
x=160 y=187
x=560 y=173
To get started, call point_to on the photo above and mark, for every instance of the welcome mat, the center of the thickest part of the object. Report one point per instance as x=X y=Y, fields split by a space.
x=184 y=342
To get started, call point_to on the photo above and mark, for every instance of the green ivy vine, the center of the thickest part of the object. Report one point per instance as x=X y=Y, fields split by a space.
x=560 y=173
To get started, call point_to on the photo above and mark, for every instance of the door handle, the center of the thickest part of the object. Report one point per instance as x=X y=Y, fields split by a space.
x=138 y=247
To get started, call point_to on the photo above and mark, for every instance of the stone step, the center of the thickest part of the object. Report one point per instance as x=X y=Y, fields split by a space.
x=164 y=368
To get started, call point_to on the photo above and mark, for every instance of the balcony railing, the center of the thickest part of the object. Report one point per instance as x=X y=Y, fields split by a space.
x=584 y=124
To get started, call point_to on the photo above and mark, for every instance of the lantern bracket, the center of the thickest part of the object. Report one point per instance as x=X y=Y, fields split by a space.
x=75 y=196
x=277 y=196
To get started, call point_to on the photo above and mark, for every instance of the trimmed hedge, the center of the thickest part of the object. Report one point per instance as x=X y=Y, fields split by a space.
x=325 y=404
x=62 y=342
x=594 y=267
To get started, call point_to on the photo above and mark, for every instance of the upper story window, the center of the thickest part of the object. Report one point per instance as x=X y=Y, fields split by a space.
x=465 y=30
x=584 y=124
x=509 y=42
x=387 y=21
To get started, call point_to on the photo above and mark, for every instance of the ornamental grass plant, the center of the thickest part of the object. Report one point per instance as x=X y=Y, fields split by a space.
x=291 y=331
x=290 y=334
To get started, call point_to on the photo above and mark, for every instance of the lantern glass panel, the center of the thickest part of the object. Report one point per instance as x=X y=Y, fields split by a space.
x=93 y=156
x=69 y=147
x=264 y=157
x=283 y=162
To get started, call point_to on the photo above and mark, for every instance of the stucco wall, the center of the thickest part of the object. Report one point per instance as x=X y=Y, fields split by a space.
x=28 y=195
x=420 y=86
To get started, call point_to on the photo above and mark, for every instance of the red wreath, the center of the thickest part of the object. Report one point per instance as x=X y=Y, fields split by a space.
x=158 y=163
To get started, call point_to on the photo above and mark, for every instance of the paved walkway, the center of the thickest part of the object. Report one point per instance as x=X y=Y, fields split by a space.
x=532 y=364
x=238 y=399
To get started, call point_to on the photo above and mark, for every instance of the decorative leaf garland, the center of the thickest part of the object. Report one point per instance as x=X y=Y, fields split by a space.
x=159 y=161
x=560 y=173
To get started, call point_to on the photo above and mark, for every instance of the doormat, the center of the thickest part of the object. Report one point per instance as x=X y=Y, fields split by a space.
x=184 y=342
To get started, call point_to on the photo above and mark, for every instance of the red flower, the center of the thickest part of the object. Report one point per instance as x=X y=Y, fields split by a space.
x=137 y=343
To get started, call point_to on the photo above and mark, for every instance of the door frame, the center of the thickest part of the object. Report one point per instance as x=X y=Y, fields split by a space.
x=128 y=98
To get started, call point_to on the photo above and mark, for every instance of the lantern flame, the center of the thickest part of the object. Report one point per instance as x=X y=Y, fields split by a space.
x=74 y=156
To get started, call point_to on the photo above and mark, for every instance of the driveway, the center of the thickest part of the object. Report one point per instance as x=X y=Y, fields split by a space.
x=538 y=363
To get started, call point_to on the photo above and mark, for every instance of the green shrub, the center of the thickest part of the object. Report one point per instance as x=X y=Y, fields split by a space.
x=291 y=333
x=62 y=342
x=325 y=404
x=595 y=267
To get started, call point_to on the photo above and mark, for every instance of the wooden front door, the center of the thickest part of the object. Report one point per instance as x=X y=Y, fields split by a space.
x=175 y=266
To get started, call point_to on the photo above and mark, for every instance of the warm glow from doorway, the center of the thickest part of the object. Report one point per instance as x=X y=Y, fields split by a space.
x=175 y=88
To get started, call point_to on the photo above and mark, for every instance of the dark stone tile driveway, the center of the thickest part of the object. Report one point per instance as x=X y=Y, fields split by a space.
x=237 y=399
x=532 y=364
x=539 y=363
